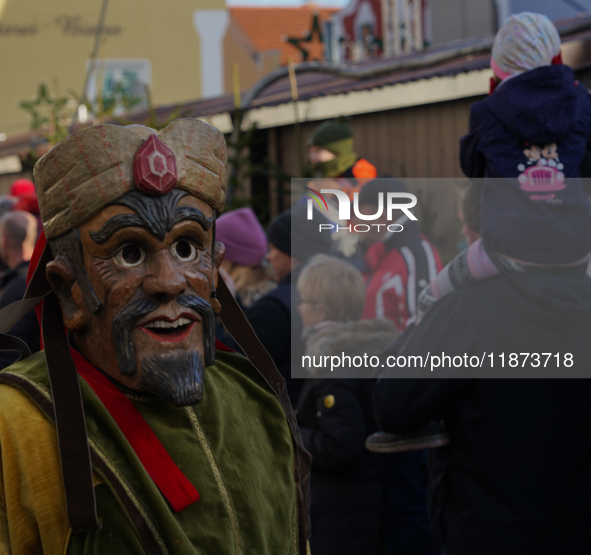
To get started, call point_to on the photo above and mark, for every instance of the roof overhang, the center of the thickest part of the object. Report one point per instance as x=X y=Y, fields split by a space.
x=400 y=95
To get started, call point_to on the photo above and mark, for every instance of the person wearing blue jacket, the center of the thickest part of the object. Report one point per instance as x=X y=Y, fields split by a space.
x=533 y=129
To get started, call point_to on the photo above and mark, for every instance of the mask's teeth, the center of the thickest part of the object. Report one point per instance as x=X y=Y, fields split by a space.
x=168 y=325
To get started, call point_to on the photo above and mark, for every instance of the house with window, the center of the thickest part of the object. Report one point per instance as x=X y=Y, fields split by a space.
x=98 y=50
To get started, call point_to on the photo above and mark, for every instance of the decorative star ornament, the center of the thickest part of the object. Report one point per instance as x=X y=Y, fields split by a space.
x=313 y=41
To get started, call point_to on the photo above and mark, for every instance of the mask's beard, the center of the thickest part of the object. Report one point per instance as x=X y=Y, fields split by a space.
x=176 y=377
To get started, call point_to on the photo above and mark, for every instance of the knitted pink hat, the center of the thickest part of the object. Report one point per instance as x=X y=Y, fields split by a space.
x=526 y=41
x=243 y=236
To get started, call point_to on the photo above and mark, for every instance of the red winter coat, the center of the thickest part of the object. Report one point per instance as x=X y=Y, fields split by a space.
x=397 y=269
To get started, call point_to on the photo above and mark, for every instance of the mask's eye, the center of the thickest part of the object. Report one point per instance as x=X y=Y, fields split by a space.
x=184 y=251
x=130 y=256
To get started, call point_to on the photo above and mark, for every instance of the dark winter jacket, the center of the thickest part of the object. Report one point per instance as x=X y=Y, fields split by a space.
x=533 y=132
x=537 y=108
x=516 y=475
x=335 y=417
x=13 y=286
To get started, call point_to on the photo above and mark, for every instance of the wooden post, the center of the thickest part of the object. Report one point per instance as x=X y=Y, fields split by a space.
x=236 y=85
x=407 y=26
x=418 y=24
x=389 y=20
x=396 y=31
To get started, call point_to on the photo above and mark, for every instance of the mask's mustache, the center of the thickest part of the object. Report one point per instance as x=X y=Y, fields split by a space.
x=203 y=308
x=125 y=321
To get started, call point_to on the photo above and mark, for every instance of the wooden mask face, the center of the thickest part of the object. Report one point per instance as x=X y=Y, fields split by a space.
x=150 y=263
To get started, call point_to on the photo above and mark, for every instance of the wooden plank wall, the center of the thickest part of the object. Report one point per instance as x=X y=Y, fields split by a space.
x=415 y=142
x=421 y=141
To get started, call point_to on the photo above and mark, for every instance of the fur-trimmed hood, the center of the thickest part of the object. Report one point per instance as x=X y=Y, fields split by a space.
x=356 y=338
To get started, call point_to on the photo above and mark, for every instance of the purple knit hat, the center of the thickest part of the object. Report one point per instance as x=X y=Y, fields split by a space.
x=243 y=236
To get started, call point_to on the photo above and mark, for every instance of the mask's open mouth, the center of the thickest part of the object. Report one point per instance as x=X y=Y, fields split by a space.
x=169 y=331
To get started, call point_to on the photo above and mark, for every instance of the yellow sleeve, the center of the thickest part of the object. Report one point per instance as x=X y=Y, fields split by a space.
x=33 y=516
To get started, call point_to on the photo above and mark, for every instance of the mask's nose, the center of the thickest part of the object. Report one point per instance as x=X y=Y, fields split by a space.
x=165 y=281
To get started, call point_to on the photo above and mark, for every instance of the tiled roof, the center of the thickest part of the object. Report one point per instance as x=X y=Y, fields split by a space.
x=266 y=27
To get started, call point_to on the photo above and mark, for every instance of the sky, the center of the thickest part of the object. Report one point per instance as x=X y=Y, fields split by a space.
x=280 y=3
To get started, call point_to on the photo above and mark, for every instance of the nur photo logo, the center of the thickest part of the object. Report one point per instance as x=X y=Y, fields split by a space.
x=389 y=205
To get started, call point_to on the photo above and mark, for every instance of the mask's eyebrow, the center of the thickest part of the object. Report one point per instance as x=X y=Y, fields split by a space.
x=158 y=228
x=191 y=214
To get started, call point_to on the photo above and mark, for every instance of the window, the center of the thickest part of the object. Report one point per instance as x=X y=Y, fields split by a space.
x=122 y=84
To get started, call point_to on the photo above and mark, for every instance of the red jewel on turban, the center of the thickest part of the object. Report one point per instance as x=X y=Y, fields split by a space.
x=154 y=167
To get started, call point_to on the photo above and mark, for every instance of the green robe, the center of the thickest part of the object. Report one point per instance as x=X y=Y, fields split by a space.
x=235 y=447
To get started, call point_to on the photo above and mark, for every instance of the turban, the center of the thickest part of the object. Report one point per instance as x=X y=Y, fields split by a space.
x=87 y=171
